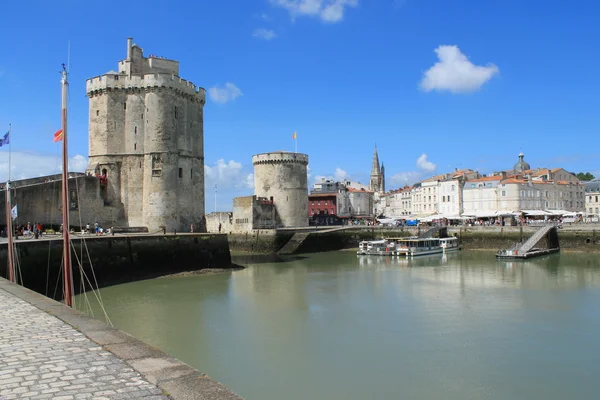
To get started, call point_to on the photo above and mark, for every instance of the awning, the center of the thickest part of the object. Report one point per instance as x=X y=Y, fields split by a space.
x=536 y=213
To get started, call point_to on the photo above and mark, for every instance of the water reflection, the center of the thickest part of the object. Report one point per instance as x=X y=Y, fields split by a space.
x=338 y=326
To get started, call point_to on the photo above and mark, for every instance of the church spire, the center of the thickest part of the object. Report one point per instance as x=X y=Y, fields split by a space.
x=375 y=170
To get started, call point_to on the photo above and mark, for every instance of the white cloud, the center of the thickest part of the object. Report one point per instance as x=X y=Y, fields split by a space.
x=224 y=94
x=263 y=33
x=308 y=174
x=29 y=165
x=405 y=178
x=425 y=168
x=455 y=73
x=424 y=164
x=227 y=175
x=326 y=10
x=340 y=174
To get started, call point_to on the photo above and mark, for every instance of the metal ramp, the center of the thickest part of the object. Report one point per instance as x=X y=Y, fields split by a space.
x=535 y=238
x=531 y=246
x=443 y=232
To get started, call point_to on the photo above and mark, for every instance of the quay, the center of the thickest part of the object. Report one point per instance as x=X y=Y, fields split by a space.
x=51 y=351
x=117 y=259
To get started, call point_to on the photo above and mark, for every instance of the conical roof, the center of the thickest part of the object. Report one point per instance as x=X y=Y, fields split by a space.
x=375 y=168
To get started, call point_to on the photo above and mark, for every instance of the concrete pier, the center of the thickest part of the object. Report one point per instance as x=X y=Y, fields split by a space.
x=50 y=351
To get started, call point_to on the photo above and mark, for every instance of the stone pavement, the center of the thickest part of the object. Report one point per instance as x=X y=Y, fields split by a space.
x=44 y=358
x=50 y=351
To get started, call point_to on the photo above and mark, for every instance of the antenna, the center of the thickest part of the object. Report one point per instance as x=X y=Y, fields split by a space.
x=69 y=56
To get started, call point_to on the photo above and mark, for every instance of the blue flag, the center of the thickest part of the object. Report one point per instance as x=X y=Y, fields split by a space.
x=4 y=140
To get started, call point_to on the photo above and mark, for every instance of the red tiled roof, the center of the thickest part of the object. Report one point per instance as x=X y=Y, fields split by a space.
x=486 y=179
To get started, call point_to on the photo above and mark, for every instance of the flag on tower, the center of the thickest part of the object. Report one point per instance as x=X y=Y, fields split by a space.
x=5 y=139
x=58 y=136
x=13 y=212
x=294 y=135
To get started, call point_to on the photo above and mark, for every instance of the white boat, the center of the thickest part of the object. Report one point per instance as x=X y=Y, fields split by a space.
x=449 y=244
x=375 y=248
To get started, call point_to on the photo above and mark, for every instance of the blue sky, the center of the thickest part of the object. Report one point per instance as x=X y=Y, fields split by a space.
x=436 y=84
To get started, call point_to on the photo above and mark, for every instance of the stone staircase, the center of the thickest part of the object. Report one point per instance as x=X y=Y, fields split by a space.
x=294 y=243
x=535 y=238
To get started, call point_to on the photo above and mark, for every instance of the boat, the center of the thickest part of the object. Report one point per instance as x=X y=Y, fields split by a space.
x=449 y=244
x=408 y=246
x=375 y=248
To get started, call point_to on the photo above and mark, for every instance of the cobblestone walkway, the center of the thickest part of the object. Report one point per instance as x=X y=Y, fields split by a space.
x=41 y=357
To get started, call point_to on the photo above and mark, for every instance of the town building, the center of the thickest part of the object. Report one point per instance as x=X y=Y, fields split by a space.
x=592 y=198
x=345 y=199
x=146 y=140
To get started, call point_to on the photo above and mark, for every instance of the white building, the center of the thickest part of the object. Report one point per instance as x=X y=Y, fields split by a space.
x=592 y=198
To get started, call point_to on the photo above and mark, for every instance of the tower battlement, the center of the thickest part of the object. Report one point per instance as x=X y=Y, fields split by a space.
x=280 y=157
x=114 y=82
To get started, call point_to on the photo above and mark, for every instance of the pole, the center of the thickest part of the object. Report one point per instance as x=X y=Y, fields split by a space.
x=67 y=271
x=9 y=234
x=9 y=151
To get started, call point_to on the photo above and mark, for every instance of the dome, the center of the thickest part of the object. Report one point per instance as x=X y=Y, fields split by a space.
x=521 y=165
x=592 y=186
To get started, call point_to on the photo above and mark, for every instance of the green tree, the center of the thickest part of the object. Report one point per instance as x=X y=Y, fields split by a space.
x=585 y=176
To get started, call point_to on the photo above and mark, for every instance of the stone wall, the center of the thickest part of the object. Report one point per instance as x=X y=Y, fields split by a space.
x=42 y=203
x=215 y=218
x=118 y=259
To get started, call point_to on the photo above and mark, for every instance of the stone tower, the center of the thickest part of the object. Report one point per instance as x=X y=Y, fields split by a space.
x=377 y=181
x=281 y=176
x=146 y=137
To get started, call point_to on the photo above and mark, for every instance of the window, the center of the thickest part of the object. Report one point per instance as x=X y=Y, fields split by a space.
x=125 y=106
x=325 y=202
x=191 y=173
x=453 y=188
x=97 y=112
x=313 y=203
x=472 y=185
x=504 y=193
x=175 y=112
x=135 y=146
x=181 y=172
x=319 y=202
x=331 y=212
x=135 y=130
x=489 y=185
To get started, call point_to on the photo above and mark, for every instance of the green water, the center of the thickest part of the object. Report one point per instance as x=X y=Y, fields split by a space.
x=338 y=326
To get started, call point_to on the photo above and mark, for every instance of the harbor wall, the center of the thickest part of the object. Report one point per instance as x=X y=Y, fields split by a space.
x=117 y=259
x=572 y=238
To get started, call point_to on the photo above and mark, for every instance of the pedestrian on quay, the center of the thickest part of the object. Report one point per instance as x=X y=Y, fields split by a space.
x=191 y=228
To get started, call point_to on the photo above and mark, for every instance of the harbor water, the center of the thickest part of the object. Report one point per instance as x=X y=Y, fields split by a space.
x=341 y=326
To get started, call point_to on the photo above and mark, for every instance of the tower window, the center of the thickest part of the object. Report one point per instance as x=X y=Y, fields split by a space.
x=191 y=173
x=141 y=116
x=181 y=172
x=135 y=146
x=97 y=112
x=124 y=106
x=135 y=130
x=175 y=112
x=140 y=164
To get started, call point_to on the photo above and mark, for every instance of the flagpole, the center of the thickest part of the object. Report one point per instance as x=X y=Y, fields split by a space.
x=67 y=271
x=9 y=150
x=9 y=229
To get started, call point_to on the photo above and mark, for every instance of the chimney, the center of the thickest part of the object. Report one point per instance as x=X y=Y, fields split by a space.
x=129 y=48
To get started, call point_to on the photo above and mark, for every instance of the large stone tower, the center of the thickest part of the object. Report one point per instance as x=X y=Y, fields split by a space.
x=146 y=136
x=281 y=176
x=377 y=181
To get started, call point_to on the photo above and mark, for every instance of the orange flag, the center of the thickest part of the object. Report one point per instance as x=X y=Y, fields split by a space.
x=58 y=136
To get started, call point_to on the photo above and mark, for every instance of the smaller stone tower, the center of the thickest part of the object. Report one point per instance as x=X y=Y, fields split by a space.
x=282 y=177
x=377 y=181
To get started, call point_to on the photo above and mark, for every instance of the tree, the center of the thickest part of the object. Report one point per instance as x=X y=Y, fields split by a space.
x=585 y=176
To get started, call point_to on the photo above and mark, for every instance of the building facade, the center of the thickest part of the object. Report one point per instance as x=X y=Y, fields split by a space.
x=592 y=198
x=146 y=139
